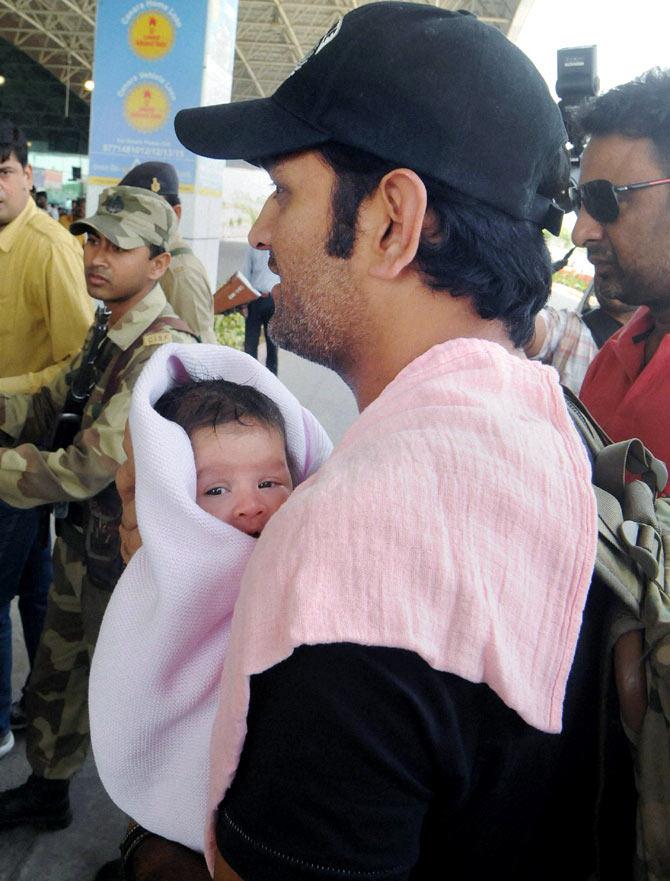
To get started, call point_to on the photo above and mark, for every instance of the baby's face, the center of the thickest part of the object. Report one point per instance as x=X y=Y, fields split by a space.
x=242 y=474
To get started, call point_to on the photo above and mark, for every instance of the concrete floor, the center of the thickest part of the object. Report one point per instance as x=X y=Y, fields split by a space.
x=75 y=854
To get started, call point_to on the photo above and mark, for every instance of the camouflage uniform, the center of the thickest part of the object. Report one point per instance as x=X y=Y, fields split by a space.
x=87 y=562
x=187 y=290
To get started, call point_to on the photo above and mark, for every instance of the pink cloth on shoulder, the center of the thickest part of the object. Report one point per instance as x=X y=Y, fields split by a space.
x=455 y=519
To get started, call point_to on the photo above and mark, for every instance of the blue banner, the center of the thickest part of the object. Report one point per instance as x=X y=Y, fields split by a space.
x=149 y=59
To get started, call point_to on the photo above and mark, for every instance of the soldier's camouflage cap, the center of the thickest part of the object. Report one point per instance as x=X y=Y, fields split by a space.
x=130 y=217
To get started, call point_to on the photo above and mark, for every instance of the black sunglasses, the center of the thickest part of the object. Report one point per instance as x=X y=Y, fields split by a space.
x=601 y=198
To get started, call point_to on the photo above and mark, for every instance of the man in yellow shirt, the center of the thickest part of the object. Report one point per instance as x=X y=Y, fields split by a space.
x=45 y=313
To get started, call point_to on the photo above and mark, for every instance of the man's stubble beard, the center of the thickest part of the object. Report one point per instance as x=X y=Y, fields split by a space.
x=325 y=322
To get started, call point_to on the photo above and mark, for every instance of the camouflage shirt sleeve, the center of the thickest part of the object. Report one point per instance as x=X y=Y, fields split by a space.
x=31 y=417
x=30 y=476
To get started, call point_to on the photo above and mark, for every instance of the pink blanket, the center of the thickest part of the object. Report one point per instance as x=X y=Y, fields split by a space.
x=163 y=639
x=455 y=519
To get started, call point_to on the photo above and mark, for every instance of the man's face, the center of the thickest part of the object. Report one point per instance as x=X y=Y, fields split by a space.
x=319 y=312
x=631 y=256
x=15 y=184
x=114 y=274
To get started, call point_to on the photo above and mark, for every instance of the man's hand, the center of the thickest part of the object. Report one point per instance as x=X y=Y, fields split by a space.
x=222 y=871
x=157 y=859
x=131 y=540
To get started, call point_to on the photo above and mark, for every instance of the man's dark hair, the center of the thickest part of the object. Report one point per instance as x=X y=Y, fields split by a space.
x=12 y=140
x=171 y=198
x=638 y=109
x=155 y=250
x=207 y=403
x=475 y=250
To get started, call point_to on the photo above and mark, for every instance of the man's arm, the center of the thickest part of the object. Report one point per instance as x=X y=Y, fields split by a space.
x=157 y=859
x=30 y=476
x=338 y=769
x=222 y=871
x=537 y=341
x=31 y=416
x=29 y=383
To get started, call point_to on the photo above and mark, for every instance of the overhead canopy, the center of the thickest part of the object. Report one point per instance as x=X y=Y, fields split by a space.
x=272 y=35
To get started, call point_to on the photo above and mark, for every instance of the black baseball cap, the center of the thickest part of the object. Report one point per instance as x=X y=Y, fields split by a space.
x=159 y=177
x=434 y=90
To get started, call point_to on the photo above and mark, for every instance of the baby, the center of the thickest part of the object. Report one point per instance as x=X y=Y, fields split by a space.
x=214 y=460
x=238 y=436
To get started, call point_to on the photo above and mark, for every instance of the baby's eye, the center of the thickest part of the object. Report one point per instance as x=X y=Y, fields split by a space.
x=267 y=484
x=215 y=491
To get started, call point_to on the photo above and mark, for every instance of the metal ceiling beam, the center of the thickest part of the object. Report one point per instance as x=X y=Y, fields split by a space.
x=76 y=8
x=272 y=35
x=288 y=27
x=252 y=75
x=35 y=23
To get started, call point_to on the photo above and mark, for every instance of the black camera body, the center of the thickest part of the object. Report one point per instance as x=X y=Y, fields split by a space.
x=576 y=80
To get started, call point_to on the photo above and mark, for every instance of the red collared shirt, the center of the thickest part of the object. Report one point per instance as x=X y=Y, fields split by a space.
x=627 y=397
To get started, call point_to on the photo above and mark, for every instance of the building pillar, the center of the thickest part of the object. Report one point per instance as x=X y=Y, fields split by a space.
x=152 y=59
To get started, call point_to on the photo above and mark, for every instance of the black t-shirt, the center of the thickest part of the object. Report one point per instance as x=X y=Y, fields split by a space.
x=365 y=763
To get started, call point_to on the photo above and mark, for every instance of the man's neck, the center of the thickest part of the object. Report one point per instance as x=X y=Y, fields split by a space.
x=119 y=308
x=404 y=338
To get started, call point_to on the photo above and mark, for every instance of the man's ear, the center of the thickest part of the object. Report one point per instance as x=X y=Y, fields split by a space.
x=28 y=171
x=177 y=210
x=159 y=265
x=394 y=223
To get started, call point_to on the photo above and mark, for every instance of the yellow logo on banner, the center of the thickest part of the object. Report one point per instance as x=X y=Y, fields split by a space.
x=146 y=107
x=151 y=35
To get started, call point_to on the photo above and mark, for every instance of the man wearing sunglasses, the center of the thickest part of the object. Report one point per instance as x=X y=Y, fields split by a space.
x=623 y=205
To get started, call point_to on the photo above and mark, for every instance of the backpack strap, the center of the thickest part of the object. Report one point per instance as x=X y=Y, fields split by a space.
x=633 y=457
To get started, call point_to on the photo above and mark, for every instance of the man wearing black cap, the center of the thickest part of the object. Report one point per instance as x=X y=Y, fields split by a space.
x=399 y=698
x=185 y=283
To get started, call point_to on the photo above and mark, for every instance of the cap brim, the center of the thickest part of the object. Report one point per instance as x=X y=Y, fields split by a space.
x=110 y=229
x=251 y=130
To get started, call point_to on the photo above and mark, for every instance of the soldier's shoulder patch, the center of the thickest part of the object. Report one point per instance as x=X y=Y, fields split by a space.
x=157 y=339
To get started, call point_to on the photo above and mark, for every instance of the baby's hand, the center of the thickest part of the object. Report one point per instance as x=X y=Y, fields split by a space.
x=131 y=540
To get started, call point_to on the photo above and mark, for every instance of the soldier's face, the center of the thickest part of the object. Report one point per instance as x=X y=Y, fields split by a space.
x=114 y=274
x=15 y=184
